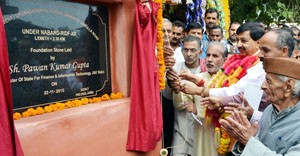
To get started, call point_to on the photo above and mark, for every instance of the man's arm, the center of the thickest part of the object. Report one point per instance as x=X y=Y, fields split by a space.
x=255 y=74
x=253 y=115
x=255 y=148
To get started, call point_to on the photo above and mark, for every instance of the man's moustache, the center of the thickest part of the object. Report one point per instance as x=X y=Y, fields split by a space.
x=208 y=64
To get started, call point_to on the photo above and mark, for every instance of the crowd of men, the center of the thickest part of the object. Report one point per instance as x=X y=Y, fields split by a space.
x=193 y=57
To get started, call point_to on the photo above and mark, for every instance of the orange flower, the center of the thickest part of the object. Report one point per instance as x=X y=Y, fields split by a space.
x=119 y=95
x=96 y=99
x=116 y=95
x=17 y=116
x=84 y=101
x=25 y=114
x=225 y=135
x=60 y=106
x=160 y=33
x=48 y=109
x=159 y=45
x=91 y=100
x=76 y=103
x=31 y=112
x=113 y=96
x=105 y=97
x=39 y=110
x=68 y=104
x=53 y=107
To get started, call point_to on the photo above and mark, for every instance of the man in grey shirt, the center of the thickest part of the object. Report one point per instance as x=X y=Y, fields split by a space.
x=278 y=130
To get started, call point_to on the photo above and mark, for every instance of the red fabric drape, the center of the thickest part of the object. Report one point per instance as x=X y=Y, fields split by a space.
x=9 y=144
x=145 y=123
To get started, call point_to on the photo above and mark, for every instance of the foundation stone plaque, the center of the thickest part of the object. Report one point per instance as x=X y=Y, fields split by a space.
x=58 y=51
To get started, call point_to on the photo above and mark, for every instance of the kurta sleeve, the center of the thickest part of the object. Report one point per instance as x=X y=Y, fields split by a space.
x=235 y=98
x=255 y=148
x=255 y=74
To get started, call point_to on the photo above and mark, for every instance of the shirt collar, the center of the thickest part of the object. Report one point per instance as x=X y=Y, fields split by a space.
x=286 y=111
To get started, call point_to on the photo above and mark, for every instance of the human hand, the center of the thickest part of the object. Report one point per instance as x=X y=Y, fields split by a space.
x=190 y=88
x=232 y=106
x=172 y=75
x=187 y=75
x=146 y=3
x=211 y=103
x=175 y=85
x=168 y=51
x=169 y=62
x=205 y=92
x=246 y=109
x=190 y=107
x=238 y=126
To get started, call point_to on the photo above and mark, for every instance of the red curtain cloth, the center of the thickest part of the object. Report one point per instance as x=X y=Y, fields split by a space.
x=9 y=144
x=145 y=122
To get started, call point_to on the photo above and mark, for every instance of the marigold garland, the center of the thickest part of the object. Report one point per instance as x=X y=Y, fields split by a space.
x=233 y=70
x=69 y=104
x=159 y=45
x=226 y=12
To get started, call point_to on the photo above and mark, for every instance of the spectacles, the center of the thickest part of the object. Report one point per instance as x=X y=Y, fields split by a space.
x=193 y=50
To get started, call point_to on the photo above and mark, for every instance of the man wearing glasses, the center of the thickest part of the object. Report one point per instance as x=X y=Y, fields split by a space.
x=183 y=136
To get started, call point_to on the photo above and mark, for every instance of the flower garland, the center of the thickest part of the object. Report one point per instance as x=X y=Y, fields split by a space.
x=226 y=12
x=69 y=104
x=159 y=45
x=233 y=70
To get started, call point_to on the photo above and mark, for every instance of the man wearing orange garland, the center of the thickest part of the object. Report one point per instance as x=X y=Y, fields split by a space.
x=248 y=36
x=275 y=43
x=204 y=143
x=239 y=70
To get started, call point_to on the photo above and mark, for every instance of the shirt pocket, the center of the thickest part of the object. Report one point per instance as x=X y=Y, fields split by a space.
x=282 y=145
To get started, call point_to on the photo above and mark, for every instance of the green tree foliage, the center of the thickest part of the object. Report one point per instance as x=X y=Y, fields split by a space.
x=267 y=11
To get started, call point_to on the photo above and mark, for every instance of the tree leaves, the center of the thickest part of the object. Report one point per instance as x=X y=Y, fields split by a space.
x=267 y=11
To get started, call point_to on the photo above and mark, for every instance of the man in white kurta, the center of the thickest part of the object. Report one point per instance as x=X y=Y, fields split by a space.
x=248 y=36
x=204 y=142
x=183 y=136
